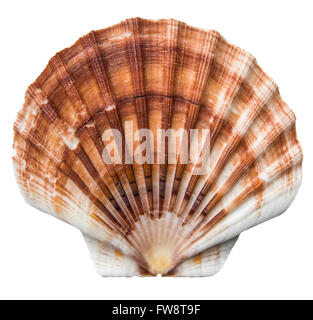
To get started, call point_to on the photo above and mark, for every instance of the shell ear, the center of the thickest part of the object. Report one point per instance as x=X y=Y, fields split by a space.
x=206 y=263
x=110 y=262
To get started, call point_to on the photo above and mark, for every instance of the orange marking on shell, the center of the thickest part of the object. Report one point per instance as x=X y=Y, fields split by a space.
x=197 y=259
x=58 y=205
x=95 y=217
x=118 y=254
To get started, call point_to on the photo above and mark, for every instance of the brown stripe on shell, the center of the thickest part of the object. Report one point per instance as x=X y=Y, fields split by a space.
x=107 y=183
x=273 y=163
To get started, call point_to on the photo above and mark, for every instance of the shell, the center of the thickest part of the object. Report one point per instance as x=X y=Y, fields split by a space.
x=149 y=218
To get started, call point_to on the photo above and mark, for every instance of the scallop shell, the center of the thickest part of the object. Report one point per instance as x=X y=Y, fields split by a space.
x=149 y=218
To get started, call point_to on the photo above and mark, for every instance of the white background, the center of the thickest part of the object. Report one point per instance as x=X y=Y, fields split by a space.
x=41 y=257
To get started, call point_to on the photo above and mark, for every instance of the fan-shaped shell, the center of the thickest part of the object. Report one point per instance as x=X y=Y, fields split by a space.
x=143 y=218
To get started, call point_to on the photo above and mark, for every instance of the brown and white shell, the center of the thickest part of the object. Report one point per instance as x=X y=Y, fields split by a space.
x=147 y=219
